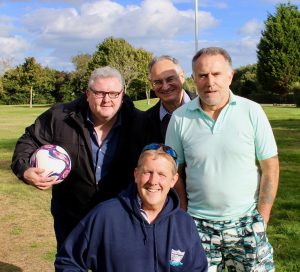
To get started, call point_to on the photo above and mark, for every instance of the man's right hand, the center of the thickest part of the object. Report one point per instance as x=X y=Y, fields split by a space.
x=34 y=176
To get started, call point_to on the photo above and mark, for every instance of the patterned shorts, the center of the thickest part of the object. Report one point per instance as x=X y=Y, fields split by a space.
x=240 y=245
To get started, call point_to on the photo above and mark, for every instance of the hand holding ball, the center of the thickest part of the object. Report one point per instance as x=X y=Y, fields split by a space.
x=54 y=160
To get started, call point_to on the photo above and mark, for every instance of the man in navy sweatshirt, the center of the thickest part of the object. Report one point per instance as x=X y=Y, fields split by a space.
x=142 y=230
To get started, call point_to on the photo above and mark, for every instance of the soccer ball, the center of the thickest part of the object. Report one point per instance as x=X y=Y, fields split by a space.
x=53 y=159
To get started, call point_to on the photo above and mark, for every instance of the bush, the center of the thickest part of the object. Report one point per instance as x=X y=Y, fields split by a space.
x=265 y=98
x=297 y=97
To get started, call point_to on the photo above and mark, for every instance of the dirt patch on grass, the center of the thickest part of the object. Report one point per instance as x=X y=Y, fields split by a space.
x=26 y=236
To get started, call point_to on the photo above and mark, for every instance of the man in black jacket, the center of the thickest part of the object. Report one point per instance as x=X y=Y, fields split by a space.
x=96 y=131
x=167 y=78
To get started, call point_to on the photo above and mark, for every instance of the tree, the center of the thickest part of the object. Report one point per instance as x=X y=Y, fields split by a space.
x=16 y=90
x=118 y=53
x=81 y=62
x=244 y=82
x=29 y=77
x=1 y=90
x=190 y=85
x=278 y=51
x=140 y=85
x=79 y=77
x=6 y=63
x=64 y=90
x=296 y=88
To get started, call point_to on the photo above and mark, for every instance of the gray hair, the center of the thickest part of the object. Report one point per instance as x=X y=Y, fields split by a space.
x=164 y=57
x=105 y=72
x=212 y=51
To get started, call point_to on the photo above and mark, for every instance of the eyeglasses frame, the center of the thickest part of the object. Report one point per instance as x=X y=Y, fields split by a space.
x=157 y=84
x=102 y=94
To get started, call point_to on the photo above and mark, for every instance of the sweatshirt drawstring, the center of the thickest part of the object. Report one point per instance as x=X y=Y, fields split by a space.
x=144 y=232
x=155 y=249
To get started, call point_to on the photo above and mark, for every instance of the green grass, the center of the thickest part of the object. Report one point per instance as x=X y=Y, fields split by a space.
x=144 y=105
x=283 y=229
x=284 y=226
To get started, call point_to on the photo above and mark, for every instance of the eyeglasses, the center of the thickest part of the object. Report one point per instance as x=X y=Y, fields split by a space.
x=157 y=84
x=167 y=149
x=101 y=94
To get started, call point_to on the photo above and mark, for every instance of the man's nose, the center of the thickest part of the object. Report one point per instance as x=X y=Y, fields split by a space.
x=210 y=80
x=165 y=84
x=106 y=97
x=153 y=179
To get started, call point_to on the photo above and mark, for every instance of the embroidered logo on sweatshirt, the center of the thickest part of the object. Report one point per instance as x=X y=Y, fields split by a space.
x=176 y=257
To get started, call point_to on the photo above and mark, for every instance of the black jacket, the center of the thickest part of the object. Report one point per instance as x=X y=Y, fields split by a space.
x=153 y=121
x=65 y=125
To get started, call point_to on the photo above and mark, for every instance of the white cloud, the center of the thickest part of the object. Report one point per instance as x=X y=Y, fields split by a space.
x=252 y=27
x=60 y=63
x=203 y=3
x=282 y=1
x=11 y=46
x=182 y=50
x=153 y=19
x=243 y=52
x=67 y=31
x=72 y=2
x=57 y=34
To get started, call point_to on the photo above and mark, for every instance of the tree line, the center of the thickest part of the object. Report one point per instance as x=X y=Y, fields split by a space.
x=275 y=78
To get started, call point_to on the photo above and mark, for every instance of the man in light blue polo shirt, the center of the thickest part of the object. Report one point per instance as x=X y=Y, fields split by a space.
x=218 y=139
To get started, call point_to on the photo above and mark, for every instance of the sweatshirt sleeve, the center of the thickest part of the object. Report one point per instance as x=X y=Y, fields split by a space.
x=72 y=255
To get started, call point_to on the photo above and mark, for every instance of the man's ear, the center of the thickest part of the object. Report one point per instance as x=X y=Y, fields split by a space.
x=182 y=77
x=123 y=95
x=87 y=92
x=175 y=178
x=231 y=75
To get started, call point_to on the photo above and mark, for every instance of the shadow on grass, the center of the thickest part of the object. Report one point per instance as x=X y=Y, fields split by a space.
x=287 y=124
x=5 y=267
x=8 y=144
x=34 y=106
x=5 y=166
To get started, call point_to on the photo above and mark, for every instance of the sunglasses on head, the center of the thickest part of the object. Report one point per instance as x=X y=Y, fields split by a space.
x=167 y=149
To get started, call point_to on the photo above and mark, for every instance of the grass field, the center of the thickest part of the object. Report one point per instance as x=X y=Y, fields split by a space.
x=27 y=240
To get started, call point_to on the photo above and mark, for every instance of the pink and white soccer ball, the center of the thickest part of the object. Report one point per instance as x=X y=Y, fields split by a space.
x=53 y=159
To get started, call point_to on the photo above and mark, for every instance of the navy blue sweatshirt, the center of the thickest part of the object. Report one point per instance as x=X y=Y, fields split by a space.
x=114 y=237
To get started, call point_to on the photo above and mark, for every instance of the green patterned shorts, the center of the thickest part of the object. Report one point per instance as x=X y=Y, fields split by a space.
x=240 y=245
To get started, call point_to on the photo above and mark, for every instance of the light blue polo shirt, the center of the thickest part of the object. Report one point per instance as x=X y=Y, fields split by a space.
x=222 y=177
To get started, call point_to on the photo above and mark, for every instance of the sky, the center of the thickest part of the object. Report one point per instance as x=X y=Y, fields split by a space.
x=55 y=31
